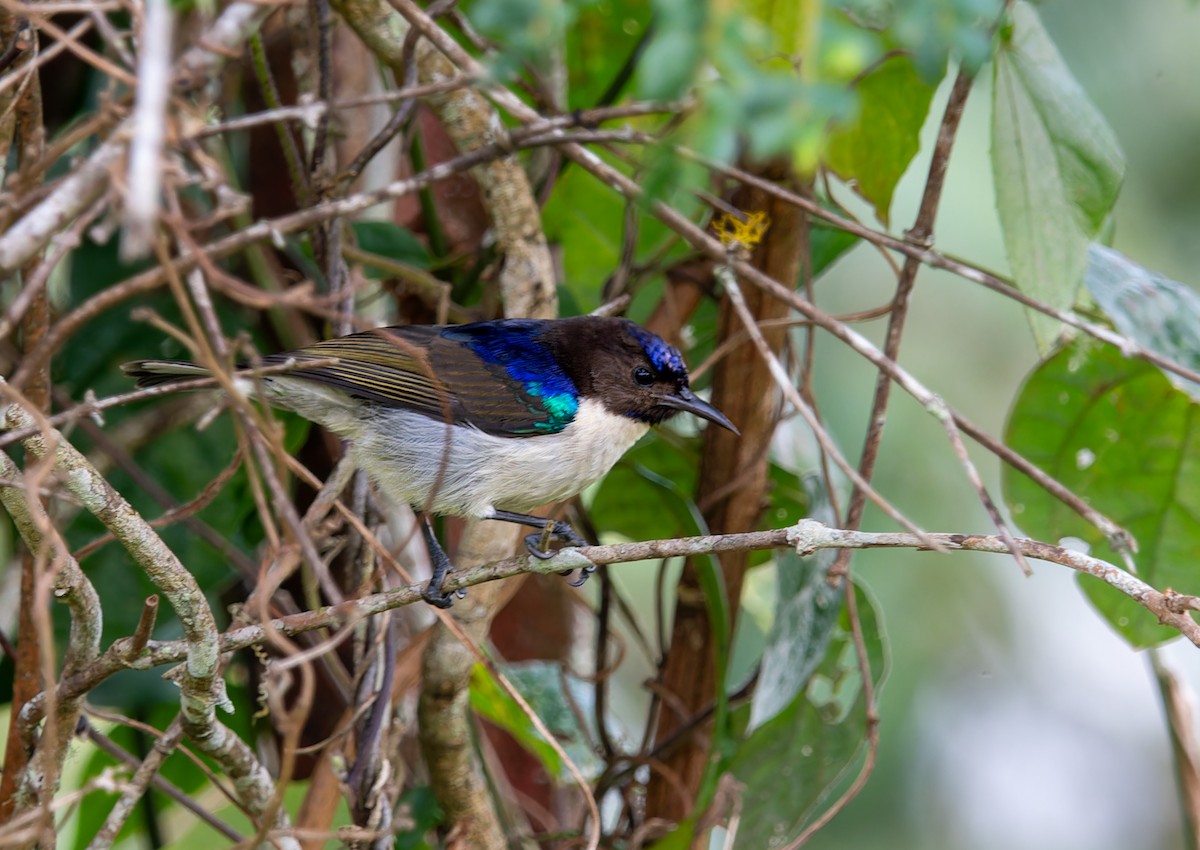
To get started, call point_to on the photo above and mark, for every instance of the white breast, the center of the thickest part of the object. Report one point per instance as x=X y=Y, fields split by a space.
x=461 y=471
x=470 y=473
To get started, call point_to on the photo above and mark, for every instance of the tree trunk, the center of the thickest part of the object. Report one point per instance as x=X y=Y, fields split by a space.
x=731 y=494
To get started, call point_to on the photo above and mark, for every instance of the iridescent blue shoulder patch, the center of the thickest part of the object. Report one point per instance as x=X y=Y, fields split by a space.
x=514 y=346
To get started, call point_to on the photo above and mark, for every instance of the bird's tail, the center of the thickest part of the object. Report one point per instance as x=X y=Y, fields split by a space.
x=157 y=373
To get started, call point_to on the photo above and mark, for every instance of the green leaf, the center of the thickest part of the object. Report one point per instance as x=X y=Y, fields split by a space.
x=1156 y=312
x=646 y=496
x=422 y=809
x=792 y=23
x=525 y=30
x=598 y=48
x=1116 y=432
x=673 y=55
x=390 y=240
x=545 y=686
x=827 y=244
x=1056 y=164
x=586 y=218
x=790 y=763
x=679 y=839
x=807 y=608
x=875 y=149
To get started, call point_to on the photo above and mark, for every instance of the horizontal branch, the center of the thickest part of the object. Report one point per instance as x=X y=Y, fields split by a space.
x=806 y=537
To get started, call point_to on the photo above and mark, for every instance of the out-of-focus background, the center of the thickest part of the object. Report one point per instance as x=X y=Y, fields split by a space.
x=1013 y=716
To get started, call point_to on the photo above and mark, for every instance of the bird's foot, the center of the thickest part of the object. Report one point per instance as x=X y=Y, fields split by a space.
x=433 y=592
x=439 y=598
x=564 y=532
x=560 y=530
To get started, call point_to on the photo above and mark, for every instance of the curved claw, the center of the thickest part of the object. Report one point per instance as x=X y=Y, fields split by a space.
x=584 y=575
x=532 y=542
x=568 y=535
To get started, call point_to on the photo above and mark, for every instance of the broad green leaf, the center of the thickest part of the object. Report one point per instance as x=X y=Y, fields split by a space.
x=524 y=30
x=1056 y=164
x=876 y=148
x=807 y=607
x=586 y=218
x=792 y=23
x=423 y=811
x=789 y=764
x=545 y=686
x=1116 y=432
x=646 y=496
x=827 y=244
x=1156 y=312
x=489 y=700
x=600 y=46
x=392 y=241
x=679 y=839
x=806 y=611
x=673 y=55
x=931 y=31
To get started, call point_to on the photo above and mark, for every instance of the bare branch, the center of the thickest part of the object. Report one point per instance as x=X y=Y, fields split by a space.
x=72 y=587
x=86 y=183
x=143 y=182
x=807 y=536
x=142 y=779
x=201 y=687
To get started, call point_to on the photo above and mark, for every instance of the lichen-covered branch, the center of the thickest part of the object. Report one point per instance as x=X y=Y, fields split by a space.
x=806 y=537
x=201 y=687
x=446 y=729
x=73 y=588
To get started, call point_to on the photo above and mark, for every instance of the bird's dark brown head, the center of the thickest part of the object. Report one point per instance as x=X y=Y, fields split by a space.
x=631 y=371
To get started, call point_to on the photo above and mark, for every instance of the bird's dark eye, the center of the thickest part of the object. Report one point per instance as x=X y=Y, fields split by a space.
x=642 y=376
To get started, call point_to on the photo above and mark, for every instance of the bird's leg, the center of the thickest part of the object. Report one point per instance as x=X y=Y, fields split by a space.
x=440 y=561
x=549 y=528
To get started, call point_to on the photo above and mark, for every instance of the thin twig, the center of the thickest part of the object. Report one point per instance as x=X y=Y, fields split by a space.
x=783 y=381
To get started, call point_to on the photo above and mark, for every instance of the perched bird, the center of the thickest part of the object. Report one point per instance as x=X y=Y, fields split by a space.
x=486 y=420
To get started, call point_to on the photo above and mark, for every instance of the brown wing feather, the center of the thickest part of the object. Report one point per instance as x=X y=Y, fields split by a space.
x=410 y=367
x=389 y=366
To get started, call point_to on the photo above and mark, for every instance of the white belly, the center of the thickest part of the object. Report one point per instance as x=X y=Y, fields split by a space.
x=419 y=461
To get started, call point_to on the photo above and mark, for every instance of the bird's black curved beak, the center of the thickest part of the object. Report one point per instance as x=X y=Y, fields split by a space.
x=686 y=400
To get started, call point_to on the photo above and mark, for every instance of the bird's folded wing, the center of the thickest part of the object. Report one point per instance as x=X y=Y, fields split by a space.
x=414 y=368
